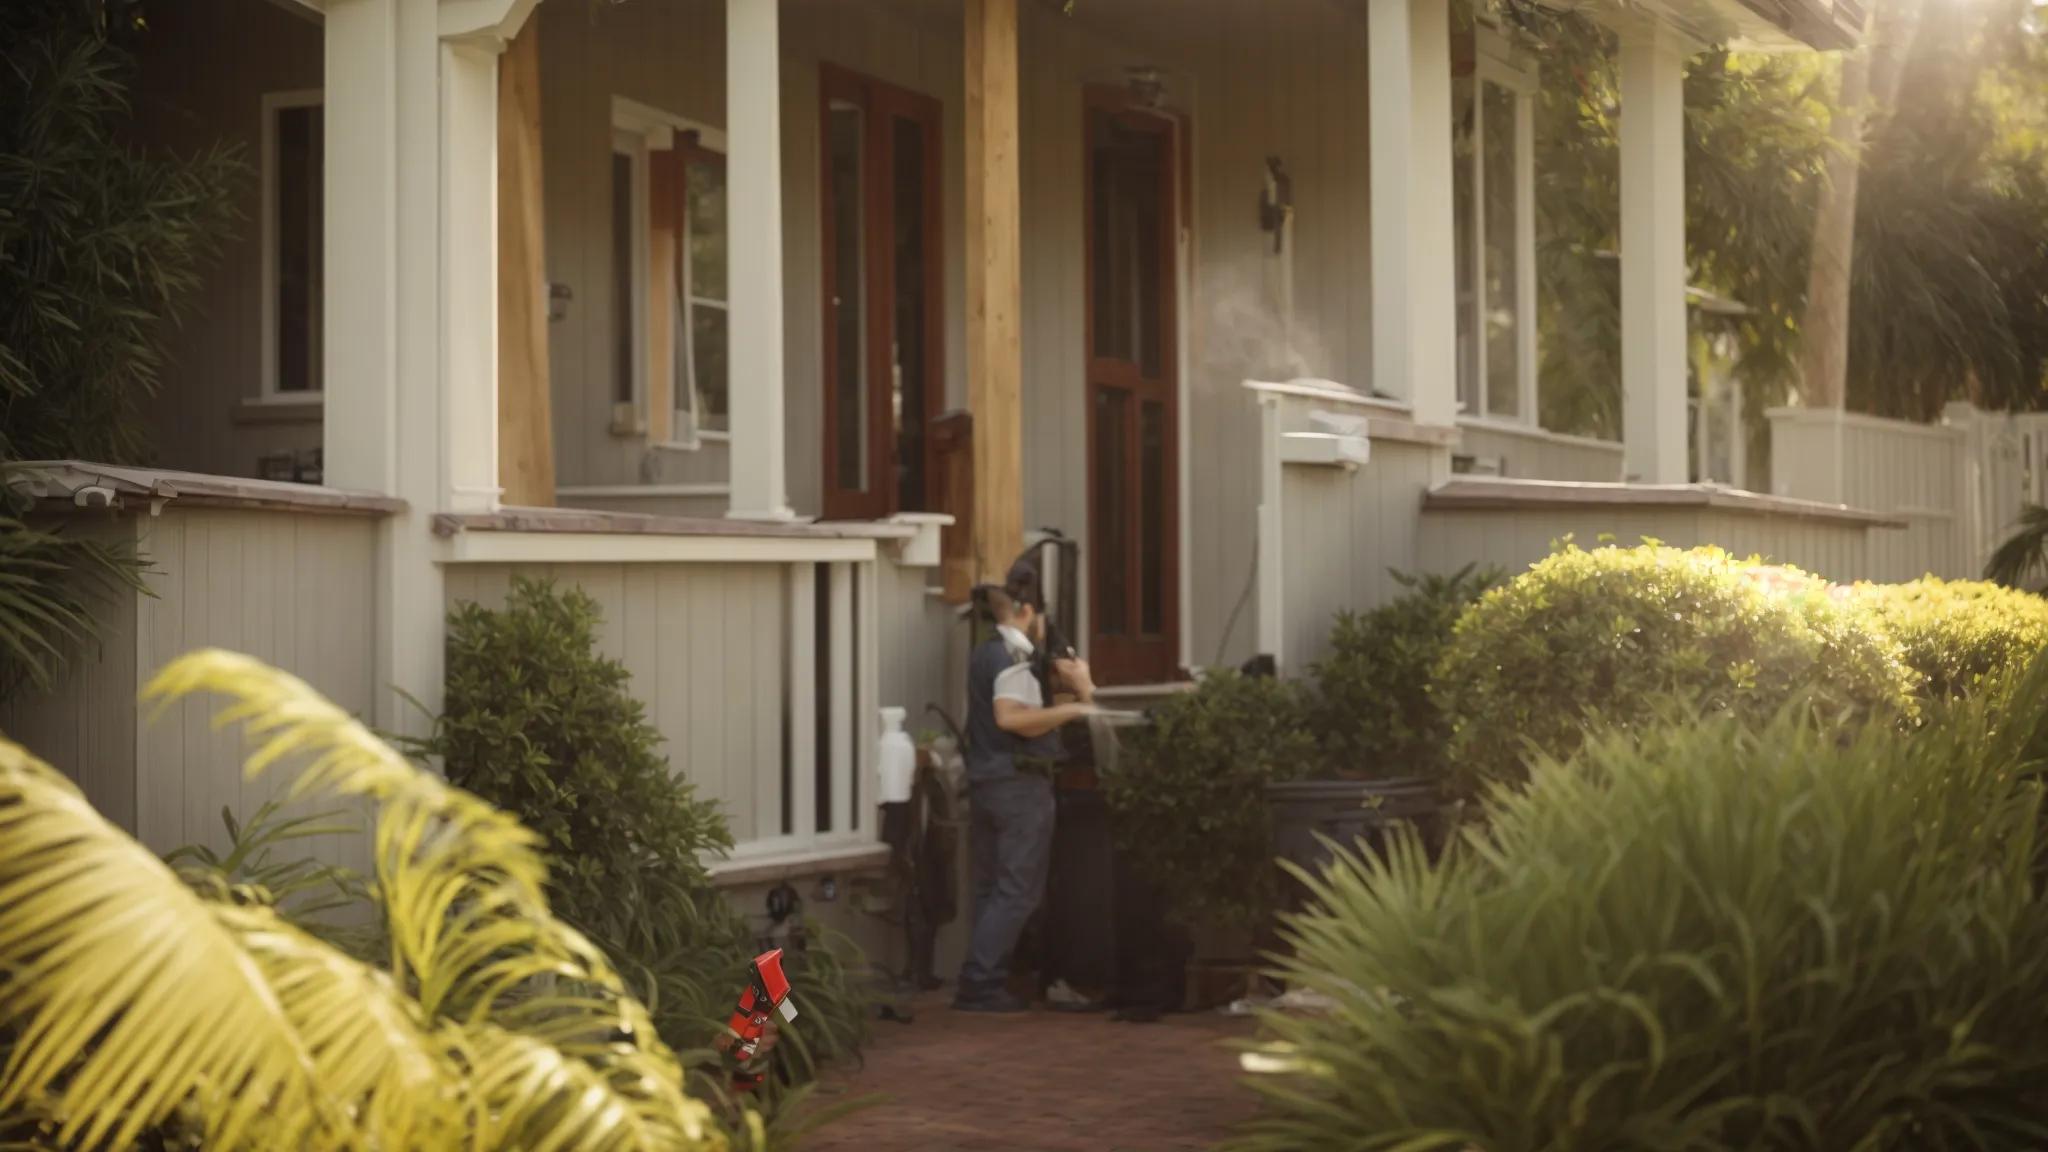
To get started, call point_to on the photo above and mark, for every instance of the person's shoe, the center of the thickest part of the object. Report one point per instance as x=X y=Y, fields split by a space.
x=995 y=1004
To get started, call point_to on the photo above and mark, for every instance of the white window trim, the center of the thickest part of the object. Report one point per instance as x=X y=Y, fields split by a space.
x=1495 y=66
x=657 y=131
x=273 y=103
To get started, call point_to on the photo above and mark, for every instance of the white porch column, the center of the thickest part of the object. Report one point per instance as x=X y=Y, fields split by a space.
x=1653 y=267
x=360 y=246
x=1414 y=251
x=753 y=175
x=383 y=319
x=410 y=316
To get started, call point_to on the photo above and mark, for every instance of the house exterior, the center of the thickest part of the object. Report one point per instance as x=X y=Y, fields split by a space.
x=775 y=323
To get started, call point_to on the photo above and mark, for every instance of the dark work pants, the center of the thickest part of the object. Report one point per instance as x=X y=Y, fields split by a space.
x=1010 y=846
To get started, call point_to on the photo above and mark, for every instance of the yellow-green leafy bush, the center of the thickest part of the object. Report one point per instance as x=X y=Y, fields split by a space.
x=1956 y=635
x=1808 y=938
x=1614 y=637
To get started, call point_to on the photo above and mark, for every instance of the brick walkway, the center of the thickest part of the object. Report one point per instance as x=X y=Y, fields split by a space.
x=1039 y=1083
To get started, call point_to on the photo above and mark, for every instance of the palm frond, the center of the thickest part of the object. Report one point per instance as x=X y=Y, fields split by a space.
x=436 y=847
x=537 y=1096
x=554 y=1044
x=129 y=991
x=2022 y=560
x=372 y=1049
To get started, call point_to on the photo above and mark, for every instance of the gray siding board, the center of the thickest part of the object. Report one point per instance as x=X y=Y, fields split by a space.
x=294 y=591
x=1343 y=533
x=1513 y=540
x=706 y=645
x=1537 y=456
x=84 y=725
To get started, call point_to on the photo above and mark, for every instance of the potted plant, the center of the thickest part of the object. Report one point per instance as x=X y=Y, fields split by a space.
x=1380 y=735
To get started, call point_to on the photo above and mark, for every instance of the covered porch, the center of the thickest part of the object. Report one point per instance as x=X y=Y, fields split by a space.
x=774 y=323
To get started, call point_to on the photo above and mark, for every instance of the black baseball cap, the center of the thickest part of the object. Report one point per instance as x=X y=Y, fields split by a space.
x=1020 y=587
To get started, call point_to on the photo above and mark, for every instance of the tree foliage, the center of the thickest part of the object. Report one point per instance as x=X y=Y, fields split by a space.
x=1949 y=296
x=101 y=245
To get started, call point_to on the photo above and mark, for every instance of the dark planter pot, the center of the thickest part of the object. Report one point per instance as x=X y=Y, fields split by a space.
x=1355 y=814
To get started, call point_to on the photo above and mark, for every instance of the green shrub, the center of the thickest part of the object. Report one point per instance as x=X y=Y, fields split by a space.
x=539 y=724
x=1608 y=638
x=1189 y=795
x=1371 y=710
x=1956 y=636
x=1813 y=938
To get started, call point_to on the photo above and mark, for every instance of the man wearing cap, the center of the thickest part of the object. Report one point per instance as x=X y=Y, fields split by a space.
x=1012 y=742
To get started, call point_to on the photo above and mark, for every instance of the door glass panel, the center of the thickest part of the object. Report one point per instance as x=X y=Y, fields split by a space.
x=704 y=215
x=1112 y=509
x=849 y=297
x=1503 y=393
x=299 y=277
x=1152 y=518
x=911 y=374
x=622 y=278
x=1127 y=269
x=1464 y=211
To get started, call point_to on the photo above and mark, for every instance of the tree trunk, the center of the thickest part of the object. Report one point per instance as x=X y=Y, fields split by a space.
x=1870 y=85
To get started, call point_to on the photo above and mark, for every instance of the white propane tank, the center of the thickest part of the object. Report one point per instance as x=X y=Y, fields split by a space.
x=898 y=760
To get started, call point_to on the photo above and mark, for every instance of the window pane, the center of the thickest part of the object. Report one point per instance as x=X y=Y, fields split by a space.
x=299 y=274
x=1464 y=209
x=1112 y=510
x=1129 y=166
x=849 y=311
x=912 y=373
x=622 y=278
x=1152 y=518
x=709 y=363
x=704 y=191
x=1503 y=393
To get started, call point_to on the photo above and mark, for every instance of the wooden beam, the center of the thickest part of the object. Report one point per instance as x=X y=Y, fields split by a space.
x=995 y=290
x=526 y=447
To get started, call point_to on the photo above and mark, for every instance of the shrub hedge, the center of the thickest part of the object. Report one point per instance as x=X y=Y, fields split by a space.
x=1370 y=707
x=1189 y=794
x=1955 y=635
x=1618 y=637
x=538 y=723
x=1810 y=939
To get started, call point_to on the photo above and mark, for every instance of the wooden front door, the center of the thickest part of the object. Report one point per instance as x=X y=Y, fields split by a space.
x=884 y=350
x=1133 y=375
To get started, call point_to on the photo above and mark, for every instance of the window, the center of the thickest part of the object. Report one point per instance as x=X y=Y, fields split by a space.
x=1494 y=192
x=670 y=363
x=293 y=149
x=884 y=308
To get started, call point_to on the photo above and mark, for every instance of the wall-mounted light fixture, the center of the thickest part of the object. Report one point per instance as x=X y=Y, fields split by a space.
x=1276 y=203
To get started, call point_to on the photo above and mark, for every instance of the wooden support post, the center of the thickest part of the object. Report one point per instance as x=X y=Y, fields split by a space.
x=526 y=445
x=995 y=287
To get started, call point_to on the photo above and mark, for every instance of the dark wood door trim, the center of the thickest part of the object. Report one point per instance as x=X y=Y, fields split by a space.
x=1136 y=655
x=883 y=105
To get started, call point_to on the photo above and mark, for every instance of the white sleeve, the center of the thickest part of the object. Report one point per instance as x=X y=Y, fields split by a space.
x=1017 y=683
